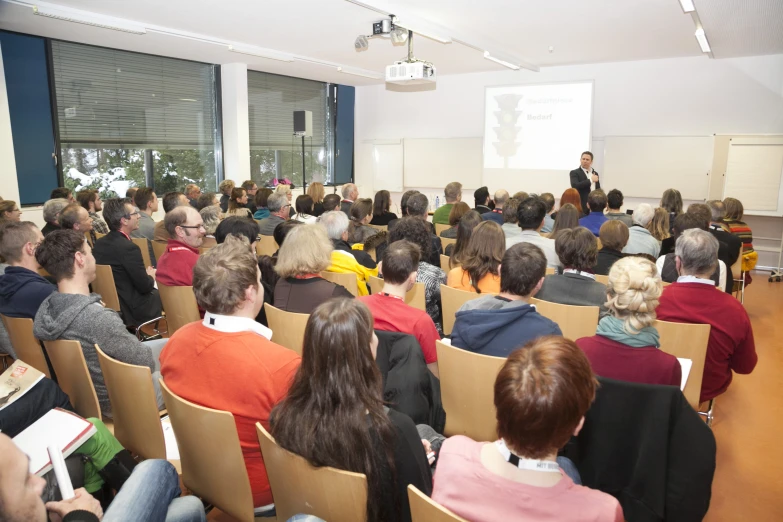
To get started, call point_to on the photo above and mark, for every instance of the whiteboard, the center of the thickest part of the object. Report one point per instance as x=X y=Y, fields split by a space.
x=753 y=174
x=436 y=162
x=387 y=166
x=645 y=166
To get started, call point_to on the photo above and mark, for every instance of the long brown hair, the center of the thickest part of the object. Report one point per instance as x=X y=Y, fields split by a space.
x=464 y=230
x=334 y=414
x=236 y=194
x=382 y=203
x=567 y=217
x=360 y=209
x=457 y=211
x=659 y=224
x=484 y=253
x=571 y=196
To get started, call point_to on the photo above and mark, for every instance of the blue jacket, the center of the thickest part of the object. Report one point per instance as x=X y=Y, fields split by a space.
x=593 y=222
x=495 y=326
x=22 y=291
x=497 y=217
x=261 y=213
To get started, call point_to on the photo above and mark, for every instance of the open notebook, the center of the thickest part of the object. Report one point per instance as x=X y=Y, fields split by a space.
x=58 y=427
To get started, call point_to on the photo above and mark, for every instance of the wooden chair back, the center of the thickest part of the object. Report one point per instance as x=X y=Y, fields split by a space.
x=266 y=246
x=687 y=341
x=144 y=246
x=602 y=278
x=105 y=287
x=444 y=242
x=26 y=346
x=213 y=467
x=445 y=263
x=348 y=280
x=288 y=328
x=424 y=509
x=73 y=376
x=440 y=228
x=298 y=487
x=467 y=384
x=133 y=407
x=451 y=300
x=159 y=248
x=180 y=305
x=88 y=238
x=414 y=298
x=550 y=270
x=574 y=321
x=598 y=241
x=98 y=235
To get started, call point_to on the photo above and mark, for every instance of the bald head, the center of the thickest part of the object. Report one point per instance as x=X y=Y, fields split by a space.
x=184 y=223
x=501 y=196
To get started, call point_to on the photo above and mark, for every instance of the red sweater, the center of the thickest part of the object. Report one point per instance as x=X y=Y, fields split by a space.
x=175 y=266
x=645 y=365
x=243 y=373
x=730 y=347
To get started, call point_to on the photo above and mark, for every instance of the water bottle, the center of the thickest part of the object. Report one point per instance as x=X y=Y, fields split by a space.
x=437 y=202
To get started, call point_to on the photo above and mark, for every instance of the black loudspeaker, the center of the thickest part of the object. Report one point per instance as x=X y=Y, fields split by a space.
x=303 y=123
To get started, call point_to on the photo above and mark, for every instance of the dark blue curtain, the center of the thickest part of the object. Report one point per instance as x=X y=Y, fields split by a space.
x=343 y=162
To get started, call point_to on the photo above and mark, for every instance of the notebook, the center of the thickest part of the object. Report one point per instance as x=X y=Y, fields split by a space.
x=17 y=380
x=685 y=365
x=58 y=427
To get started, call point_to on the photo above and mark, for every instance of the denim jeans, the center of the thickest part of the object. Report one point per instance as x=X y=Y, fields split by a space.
x=152 y=494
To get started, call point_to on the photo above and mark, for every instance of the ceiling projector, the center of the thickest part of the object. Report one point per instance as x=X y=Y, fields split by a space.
x=410 y=73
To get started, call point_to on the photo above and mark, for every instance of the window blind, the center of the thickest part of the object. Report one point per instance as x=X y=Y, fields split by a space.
x=107 y=97
x=272 y=100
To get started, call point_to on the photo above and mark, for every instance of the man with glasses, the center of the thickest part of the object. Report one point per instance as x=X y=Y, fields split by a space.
x=175 y=266
x=139 y=300
x=192 y=192
x=279 y=208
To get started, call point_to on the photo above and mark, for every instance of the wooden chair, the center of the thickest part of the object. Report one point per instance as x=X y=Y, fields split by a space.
x=133 y=407
x=451 y=300
x=440 y=228
x=348 y=280
x=602 y=279
x=467 y=387
x=687 y=341
x=445 y=263
x=444 y=242
x=26 y=346
x=574 y=321
x=298 y=487
x=213 y=467
x=208 y=243
x=424 y=509
x=266 y=246
x=738 y=282
x=288 y=328
x=144 y=246
x=159 y=248
x=414 y=298
x=598 y=241
x=98 y=235
x=380 y=228
x=88 y=238
x=73 y=376
x=550 y=270
x=180 y=305
x=105 y=287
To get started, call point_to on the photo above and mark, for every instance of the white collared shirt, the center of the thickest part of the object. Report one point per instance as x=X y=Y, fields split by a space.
x=694 y=279
x=589 y=174
x=233 y=324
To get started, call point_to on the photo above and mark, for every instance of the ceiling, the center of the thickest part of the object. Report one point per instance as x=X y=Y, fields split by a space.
x=578 y=31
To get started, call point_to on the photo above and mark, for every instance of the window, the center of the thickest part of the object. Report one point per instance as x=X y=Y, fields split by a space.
x=274 y=150
x=128 y=119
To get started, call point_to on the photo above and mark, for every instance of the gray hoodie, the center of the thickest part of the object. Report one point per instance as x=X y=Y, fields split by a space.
x=82 y=318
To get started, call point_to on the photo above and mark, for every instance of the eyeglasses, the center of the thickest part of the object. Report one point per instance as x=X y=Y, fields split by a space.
x=128 y=216
x=193 y=226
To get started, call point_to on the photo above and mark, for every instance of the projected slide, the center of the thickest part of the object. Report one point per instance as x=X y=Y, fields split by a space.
x=537 y=127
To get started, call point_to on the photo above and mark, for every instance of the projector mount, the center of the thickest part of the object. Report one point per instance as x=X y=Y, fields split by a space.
x=387 y=28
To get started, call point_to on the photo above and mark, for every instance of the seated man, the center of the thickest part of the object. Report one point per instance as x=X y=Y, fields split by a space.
x=171 y=200
x=331 y=202
x=90 y=200
x=666 y=264
x=498 y=324
x=175 y=266
x=279 y=210
x=51 y=214
x=692 y=299
x=496 y=214
x=344 y=259
x=417 y=207
x=389 y=310
x=227 y=362
x=452 y=194
x=530 y=218
x=74 y=217
x=73 y=313
x=596 y=201
x=614 y=203
x=139 y=299
x=640 y=240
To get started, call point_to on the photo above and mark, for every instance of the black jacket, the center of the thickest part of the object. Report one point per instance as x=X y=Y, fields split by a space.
x=49 y=228
x=580 y=182
x=139 y=300
x=646 y=446
x=606 y=258
x=724 y=254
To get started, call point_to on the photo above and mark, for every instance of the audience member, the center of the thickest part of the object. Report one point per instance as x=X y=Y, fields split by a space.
x=193 y=192
x=480 y=263
x=381 y=210
x=481 y=200
x=247 y=374
x=572 y=196
x=62 y=193
x=457 y=211
x=359 y=228
x=175 y=266
x=721 y=232
x=171 y=200
x=640 y=240
x=237 y=204
x=389 y=310
x=51 y=214
x=530 y=218
x=139 y=300
x=73 y=313
x=496 y=214
x=261 y=201
x=304 y=210
x=404 y=201
x=667 y=265
x=577 y=249
x=464 y=230
x=659 y=226
x=131 y=192
x=316 y=192
x=335 y=414
x=239 y=227
x=626 y=346
x=331 y=202
x=693 y=300
x=549 y=220
x=252 y=189
x=226 y=187
x=90 y=200
x=565 y=219
x=614 y=201
x=74 y=217
x=207 y=199
x=344 y=259
x=305 y=253
x=278 y=207
x=671 y=200
x=542 y=394
x=733 y=220
x=9 y=211
x=452 y=194
x=211 y=218
x=417 y=208
x=496 y=325
x=350 y=194
x=511 y=221
x=282 y=230
x=147 y=202
x=614 y=237
x=519 y=196
x=596 y=202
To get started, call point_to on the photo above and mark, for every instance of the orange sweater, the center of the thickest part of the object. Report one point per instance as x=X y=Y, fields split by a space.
x=460 y=279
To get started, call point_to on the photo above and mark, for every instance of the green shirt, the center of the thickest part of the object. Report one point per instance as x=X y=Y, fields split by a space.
x=441 y=215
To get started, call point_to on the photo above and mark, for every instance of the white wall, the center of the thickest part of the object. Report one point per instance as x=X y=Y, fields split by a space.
x=675 y=97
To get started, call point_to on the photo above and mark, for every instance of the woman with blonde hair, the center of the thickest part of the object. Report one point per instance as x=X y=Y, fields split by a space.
x=211 y=217
x=359 y=229
x=659 y=226
x=316 y=191
x=481 y=261
x=626 y=345
x=226 y=187
x=286 y=189
x=237 y=202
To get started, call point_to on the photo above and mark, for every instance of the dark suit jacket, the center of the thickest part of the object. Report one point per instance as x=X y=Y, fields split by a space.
x=345 y=206
x=606 y=258
x=580 y=182
x=572 y=289
x=139 y=300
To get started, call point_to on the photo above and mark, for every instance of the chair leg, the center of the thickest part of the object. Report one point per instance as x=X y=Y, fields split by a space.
x=708 y=415
x=158 y=333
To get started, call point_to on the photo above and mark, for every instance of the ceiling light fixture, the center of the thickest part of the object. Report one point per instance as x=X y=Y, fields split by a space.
x=702 y=39
x=262 y=53
x=687 y=6
x=360 y=72
x=501 y=62
x=95 y=21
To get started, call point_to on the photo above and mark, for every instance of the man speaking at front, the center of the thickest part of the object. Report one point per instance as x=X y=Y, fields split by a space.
x=585 y=179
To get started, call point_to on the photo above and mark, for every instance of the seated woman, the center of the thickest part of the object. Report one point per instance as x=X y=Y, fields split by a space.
x=571 y=197
x=481 y=261
x=659 y=226
x=334 y=414
x=381 y=215
x=565 y=218
x=304 y=210
x=541 y=395
x=286 y=189
x=457 y=211
x=671 y=202
x=316 y=191
x=733 y=220
x=613 y=236
x=359 y=228
x=626 y=346
x=262 y=196
x=464 y=230
x=305 y=253
x=237 y=202
x=577 y=250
